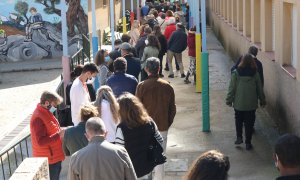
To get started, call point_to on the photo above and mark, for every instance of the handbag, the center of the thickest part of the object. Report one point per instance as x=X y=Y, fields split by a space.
x=155 y=150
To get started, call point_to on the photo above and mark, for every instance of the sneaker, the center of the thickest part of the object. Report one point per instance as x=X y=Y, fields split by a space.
x=161 y=75
x=186 y=81
x=166 y=69
x=249 y=147
x=182 y=75
x=238 y=141
x=171 y=76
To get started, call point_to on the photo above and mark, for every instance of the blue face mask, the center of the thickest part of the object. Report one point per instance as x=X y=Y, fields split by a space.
x=106 y=58
x=52 y=109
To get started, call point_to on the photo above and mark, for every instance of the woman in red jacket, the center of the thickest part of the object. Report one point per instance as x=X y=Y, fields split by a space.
x=171 y=27
x=191 y=41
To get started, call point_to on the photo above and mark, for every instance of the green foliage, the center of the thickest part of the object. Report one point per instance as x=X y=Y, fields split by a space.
x=21 y=7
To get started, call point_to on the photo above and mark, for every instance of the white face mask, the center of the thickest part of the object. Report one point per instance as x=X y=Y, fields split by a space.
x=146 y=42
x=91 y=80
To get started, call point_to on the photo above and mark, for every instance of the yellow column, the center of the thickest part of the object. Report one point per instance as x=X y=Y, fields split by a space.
x=124 y=25
x=198 y=63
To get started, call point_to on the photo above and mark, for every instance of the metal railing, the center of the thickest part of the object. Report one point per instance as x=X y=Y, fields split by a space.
x=13 y=156
x=82 y=55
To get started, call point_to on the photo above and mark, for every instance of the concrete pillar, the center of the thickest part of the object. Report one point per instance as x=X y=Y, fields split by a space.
x=266 y=25
x=255 y=21
x=247 y=17
x=229 y=11
x=239 y=20
x=32 y=169
x=298 y=44
x=286 y=33
x=225 y=9
x=233 y=13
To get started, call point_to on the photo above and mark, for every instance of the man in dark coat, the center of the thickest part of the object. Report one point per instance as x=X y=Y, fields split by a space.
x=176 y=45
x=133 y=64
x=120 y=81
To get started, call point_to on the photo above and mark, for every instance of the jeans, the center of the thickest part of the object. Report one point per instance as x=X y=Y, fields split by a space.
x=246 y=119
x=54 y=170
x=160 y=169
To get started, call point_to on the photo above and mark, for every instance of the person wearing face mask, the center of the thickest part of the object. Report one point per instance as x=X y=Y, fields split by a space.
x=46 y=134
x=287 y=157
x=102 y=60
x=79 y=94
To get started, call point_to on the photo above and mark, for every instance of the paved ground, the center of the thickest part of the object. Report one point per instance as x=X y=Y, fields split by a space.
x=186 y=141
x=20 y=88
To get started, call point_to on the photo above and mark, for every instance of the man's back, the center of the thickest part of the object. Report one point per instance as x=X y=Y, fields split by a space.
x=158 y=97
x=121 y=82
x=101 y=160
x=178 y=41
x=133 y=66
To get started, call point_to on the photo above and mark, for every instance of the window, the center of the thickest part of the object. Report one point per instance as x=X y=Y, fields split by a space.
x=289 y=34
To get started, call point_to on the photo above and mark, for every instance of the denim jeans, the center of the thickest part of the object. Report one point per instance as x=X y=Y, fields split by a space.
x=54 y=170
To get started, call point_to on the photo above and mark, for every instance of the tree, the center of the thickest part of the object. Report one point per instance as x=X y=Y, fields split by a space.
x=22 y=8
x=50 y=6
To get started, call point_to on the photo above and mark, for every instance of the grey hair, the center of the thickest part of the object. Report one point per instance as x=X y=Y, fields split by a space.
x=152 y=65
x=95 y=125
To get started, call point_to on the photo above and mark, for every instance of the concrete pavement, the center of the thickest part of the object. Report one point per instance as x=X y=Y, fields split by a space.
x=186 y=141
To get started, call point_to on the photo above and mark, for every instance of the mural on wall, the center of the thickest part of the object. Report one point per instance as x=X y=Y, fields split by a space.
x=31 y=29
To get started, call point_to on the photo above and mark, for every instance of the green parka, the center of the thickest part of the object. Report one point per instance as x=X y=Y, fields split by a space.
x=244 y=92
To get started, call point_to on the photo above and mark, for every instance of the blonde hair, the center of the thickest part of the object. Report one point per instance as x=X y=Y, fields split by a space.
x=135 y=24
x=105 y=92
x=132 y=111
x=50 y=97
x=88 y=111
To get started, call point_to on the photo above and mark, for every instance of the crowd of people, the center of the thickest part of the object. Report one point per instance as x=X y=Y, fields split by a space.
x=112 y=129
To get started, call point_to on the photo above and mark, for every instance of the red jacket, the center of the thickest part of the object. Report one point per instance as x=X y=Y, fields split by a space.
x=191 y=41
x=46 y=141
x=169 y=30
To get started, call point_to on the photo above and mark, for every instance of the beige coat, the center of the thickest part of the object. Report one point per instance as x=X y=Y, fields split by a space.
x=135 y=35
x=101 y=160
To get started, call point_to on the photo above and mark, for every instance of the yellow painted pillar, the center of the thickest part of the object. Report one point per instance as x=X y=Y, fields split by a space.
x=198 y=63
x=124 y=25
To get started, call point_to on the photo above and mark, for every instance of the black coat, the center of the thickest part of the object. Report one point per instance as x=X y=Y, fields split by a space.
x=140 y=46
x=133 y=65
x=136 y=143
x=163 y=45
x=178 y=41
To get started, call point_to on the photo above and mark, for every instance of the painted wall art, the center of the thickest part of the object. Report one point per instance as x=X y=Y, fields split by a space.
x=31 y=29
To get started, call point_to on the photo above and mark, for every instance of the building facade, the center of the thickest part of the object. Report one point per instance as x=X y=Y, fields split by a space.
x=273 y=26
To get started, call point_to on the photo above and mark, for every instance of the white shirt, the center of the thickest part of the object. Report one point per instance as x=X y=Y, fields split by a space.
x=79 y=96
x=108 y=119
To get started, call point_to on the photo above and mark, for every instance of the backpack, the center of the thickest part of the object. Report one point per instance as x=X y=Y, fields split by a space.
x=152 y=23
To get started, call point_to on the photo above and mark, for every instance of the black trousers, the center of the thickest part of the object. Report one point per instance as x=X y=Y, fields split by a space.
x=161 y=64
x=246 y=119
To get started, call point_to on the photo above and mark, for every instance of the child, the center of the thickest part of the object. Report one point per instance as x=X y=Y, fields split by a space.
x=192 y=53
